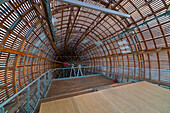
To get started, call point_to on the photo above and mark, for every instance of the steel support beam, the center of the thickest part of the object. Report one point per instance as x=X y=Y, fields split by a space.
x=105 y=10
x=48 y=15
x=3 y=1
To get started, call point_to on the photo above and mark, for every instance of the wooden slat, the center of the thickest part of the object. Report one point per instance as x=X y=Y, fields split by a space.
x=67 y=105
x=72 y=85
x=66 y=95
x=163 y=49
x=95 y=103
x=7 y=50
x=139 y=97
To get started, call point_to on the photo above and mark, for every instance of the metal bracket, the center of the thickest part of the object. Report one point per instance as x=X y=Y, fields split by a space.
x=15 y=23
x=56 y=10
x=49 y=18
x=94 y=7
x=15 y=69
x=29 y=32
x=28 y=100
x=133 y=41
x=2 y=110
x=15 y=85
x=3 y=1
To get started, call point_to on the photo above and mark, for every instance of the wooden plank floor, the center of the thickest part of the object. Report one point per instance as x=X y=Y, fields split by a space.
x=66 y=105
x=59 y=87
x=141 y=97
x=95 y=103
x=155 y=97
x=66 y=95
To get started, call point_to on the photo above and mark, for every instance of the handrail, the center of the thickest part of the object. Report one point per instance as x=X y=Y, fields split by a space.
x=76 y=71
x=16 y=94
x=76 y=67
x=27 y=99
x=76 y=77
x=45 y=89
x=49 y=79
x=138 y=68
x=136 y=73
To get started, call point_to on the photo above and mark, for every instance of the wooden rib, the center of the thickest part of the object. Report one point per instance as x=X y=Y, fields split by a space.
x=141 y=52
x=7 y=50
x=68 y=29
x=72 y=26
x=96 y=56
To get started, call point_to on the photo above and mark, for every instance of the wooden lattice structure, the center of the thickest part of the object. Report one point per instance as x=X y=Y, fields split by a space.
x=28 y=47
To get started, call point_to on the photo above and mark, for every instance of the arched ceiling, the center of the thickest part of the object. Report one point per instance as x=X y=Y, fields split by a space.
x=80 y=24
x=28 y=48
x=95 y=25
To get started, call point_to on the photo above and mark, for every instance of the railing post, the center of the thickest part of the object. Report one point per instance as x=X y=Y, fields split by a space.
x=72 y=70
x=51 y=75
x=48 y=76
x=2 y=110
x=63 y=73
x=44 y=84
x=132 y=73
x=118 y=74
x=38 y=89
x=84 y=71
x=80 y=70
x=150 y=75
x=112 y=76
x=108 y=73
x=101 y=69
x=28 y=100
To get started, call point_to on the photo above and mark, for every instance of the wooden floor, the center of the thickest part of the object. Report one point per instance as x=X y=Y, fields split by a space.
x=59 y=87
x=76 y=86
x=141 y=97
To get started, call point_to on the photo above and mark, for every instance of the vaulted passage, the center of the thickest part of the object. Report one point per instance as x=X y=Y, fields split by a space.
x=48 y=41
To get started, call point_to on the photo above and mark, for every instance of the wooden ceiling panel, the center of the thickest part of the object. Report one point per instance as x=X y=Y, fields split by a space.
x=141 y=41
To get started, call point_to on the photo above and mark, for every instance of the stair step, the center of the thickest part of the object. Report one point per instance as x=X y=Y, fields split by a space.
x=61 y=96
x=113 y=85
x=104 y=87
x=121 y=84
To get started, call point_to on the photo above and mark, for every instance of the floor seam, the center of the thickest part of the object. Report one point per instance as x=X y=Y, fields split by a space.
x=144 y=102
x=110 y=102
x=77 y=104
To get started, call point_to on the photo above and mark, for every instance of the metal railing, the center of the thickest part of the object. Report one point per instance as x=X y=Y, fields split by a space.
x=26 y=100
x=74 y=72
x=125 y=74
